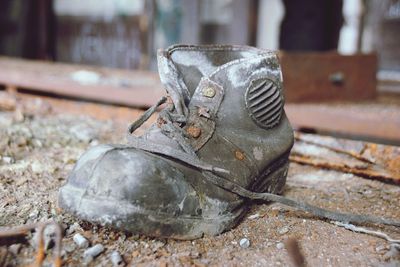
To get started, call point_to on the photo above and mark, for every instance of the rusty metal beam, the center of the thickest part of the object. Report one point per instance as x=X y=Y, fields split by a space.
x=316 y=77
x=115 y=86
x=368 y=160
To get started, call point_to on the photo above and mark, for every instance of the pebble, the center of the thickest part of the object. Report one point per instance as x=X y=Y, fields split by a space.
x=116 y=259
x=244 y=243
x=157 y=245
x=37 y=167
x=280 y=245
x=14 y=249
x=82 y=132
x=380 y=248
x=80 y=241
x=34 y=214
x=73 y=228
x=8 y=160
x=283 y=230
x=254 y=216
x=394 y=252
x=69 y=247
x=94 y=142
x=93 y=252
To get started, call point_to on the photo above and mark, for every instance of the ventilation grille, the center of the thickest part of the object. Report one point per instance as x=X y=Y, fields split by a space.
x=264 y=103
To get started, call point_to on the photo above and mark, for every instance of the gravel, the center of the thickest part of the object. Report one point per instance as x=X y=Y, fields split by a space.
x=116 y=259
x=283 y=230
x=80 y=241
x=28 y=196
x=280 y=245
x=93 y=252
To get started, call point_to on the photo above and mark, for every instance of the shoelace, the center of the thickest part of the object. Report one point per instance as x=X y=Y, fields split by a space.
x=172 y=121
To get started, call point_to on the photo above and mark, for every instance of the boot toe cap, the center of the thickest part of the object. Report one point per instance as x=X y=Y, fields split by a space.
x=130 y=189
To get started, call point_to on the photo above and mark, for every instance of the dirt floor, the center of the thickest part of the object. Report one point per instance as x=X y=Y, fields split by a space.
x=40 y=142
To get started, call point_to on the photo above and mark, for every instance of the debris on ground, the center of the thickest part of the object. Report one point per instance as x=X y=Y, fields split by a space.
x=244 y=243
x=80 y=241
x=38 y=152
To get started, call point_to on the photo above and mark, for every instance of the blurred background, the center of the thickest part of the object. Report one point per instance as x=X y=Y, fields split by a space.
x=126 y=33
x=340 y=58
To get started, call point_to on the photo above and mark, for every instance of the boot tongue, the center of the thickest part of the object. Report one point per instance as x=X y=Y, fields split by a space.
x=193 y=66
x=183 y=67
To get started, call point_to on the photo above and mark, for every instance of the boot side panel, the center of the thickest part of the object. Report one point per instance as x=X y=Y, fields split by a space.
x=255 y=147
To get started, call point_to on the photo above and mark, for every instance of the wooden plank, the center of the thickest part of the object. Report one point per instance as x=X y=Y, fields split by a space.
x=115 y=86
x=316 y=77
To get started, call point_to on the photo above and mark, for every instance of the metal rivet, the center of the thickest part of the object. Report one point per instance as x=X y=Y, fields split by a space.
x=193 y=131
x=209 y=92
x=239 y=155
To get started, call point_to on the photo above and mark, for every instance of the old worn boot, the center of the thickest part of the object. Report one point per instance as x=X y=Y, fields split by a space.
x=222 y=137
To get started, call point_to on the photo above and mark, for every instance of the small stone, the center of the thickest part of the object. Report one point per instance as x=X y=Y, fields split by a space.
x=394 y=252
x=14 y=249
x=37 y=167
x=37 y=143
x=80 y=241
x=283 y=230
x=244 y=243
x=94 y=142
x=135 y=254
x=83 y=133
x=34 y=215
x=73 y=228
x=254 y=216
x=280 y=245
x=8 y=160
x=93 y=252
x=69 y=247
x=380 y=248
x=116 y=259
x=18 y=116
x=157 y=245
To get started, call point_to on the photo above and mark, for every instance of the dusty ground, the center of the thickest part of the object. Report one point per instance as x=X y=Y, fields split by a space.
x=39 y=145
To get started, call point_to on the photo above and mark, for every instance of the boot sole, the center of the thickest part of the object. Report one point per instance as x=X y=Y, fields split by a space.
x=135 y=219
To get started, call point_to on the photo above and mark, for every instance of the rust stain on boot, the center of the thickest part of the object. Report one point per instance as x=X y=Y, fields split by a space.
x=193 y=131
x=239 y=155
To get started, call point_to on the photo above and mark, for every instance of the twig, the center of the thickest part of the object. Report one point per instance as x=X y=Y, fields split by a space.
x=24 y=230
x=357 y=229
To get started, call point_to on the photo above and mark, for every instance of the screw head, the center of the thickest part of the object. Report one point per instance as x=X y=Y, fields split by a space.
x=209 y=92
